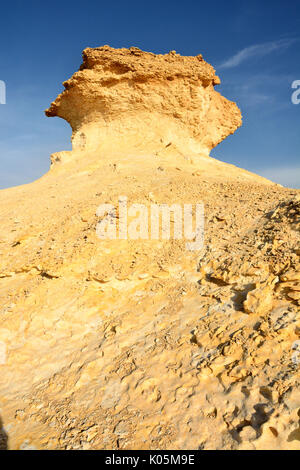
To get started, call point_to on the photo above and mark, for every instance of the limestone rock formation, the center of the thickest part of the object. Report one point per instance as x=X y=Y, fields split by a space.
x=140 y=343
x=136 y=100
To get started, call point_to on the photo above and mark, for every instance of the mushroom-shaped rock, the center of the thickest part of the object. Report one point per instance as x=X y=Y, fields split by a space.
x=142 y=101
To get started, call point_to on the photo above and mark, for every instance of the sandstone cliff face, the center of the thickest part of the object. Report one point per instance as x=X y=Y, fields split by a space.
x=141 y=344
x=138 y=100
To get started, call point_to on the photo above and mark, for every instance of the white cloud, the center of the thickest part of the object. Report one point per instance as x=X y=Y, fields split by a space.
x=287 y=176
x=257 y=50
x=250 y=95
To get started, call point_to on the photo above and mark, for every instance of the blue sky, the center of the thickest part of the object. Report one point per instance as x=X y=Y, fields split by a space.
x=254 y=46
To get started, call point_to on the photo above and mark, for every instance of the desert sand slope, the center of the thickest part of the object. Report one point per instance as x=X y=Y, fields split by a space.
x=142 y=344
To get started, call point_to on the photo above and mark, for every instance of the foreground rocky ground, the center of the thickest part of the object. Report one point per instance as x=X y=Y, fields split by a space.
x=141 y=344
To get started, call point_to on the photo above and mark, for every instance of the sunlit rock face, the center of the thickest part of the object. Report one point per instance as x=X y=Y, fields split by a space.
x=140 y=100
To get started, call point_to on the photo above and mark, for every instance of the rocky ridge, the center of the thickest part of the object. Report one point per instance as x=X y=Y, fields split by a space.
x=141 y=344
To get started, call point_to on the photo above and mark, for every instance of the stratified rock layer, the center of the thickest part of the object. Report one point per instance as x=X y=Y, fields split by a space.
x=136 y=100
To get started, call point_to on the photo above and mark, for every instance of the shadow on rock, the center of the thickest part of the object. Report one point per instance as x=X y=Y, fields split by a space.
x=3 y=437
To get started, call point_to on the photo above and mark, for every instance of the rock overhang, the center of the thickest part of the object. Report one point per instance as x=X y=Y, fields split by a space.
x=139 y=99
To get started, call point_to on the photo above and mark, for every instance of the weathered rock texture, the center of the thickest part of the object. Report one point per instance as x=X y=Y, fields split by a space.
x=136 y=100
x=141 y=344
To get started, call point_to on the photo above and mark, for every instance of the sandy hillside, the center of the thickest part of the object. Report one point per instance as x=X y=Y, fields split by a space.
x=143 y=344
